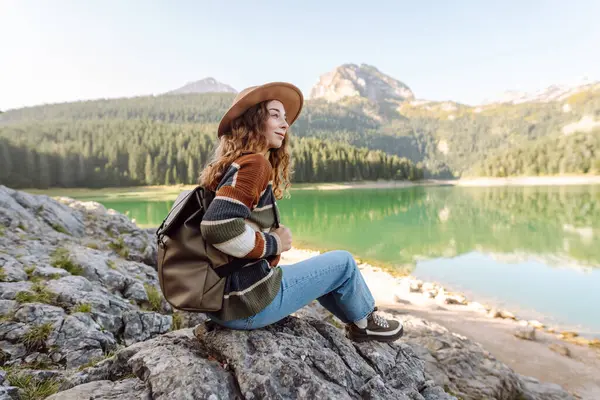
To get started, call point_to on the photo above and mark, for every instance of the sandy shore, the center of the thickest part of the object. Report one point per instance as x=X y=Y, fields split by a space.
x=475 y=182
x=551 y=356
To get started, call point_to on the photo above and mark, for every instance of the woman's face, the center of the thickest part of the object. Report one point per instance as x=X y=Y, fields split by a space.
x=276 y=125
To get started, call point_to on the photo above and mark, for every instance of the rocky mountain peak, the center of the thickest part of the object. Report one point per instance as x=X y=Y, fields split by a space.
x=206 y=85
x=349 y=80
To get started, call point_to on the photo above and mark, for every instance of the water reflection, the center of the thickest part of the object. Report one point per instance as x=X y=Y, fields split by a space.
x=399 y=227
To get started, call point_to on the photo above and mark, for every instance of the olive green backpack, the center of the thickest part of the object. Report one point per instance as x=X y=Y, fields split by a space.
x=191 y=272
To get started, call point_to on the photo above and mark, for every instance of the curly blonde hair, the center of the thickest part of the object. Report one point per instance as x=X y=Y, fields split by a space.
x=246 y=136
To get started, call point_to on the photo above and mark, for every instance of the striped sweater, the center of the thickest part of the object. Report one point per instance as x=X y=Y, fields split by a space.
x=238 y=223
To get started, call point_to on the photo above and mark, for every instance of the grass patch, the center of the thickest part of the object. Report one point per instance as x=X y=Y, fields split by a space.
x=450 y=392
x=92 y=245
x=130 y=375
x=331 y=319
x=35 y=338
x=84 y=308
x=154 y=297
x=62 y=259
x=177 y=321
x=2 y=230
x=38 y=294
x=55 y=276
x=32 y=389
x=2 y=274
x=29 y=270
x=9 y=316
x=111 y=264
x=120 y=247
x=59 y=228
x=21 y=226
x=96 y=360
x=90 y=363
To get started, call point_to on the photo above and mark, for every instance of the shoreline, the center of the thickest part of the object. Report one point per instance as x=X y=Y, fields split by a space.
x=559 y=180
x=400 y=289
x=131 y=192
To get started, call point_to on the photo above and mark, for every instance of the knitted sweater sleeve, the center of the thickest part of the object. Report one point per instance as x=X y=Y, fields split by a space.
x=223 y=224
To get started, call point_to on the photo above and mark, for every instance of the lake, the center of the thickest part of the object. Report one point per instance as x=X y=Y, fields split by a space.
x=533 y=250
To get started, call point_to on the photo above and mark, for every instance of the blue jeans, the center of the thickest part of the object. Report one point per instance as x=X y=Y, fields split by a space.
x=331 y=278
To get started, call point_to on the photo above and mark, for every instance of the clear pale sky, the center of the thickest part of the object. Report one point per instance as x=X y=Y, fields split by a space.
x=463 y=50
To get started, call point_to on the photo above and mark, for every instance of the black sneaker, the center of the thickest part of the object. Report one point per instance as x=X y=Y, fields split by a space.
x=378 y=329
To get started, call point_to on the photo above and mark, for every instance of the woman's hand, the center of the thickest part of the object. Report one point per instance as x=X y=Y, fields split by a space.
x=285 y=236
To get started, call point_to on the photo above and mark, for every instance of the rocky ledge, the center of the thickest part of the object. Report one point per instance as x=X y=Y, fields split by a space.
x=83 y=317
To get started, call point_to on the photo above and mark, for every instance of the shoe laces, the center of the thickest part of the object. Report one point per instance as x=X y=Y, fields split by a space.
x=379 y=320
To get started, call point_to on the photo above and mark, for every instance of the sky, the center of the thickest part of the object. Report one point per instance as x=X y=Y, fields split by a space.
x=461 y=50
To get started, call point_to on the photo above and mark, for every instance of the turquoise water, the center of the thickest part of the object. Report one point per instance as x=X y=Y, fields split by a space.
x=535 y=250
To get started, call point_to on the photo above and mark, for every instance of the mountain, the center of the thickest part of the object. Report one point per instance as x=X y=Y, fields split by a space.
x=206 y=85
x=351 y=80
x=355 y=106
x=551 y=93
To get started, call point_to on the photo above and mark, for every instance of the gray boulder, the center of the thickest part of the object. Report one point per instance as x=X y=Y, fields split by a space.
x=78 y=339
x=293 y=359
x=141 y=325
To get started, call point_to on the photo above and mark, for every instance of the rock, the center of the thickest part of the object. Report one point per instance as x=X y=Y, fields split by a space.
x=429 y=286
x=109 y=285
x=525 y=332
x=48 y=272
x=37 y=358
x=507 y=315
x=9 y=393
x=12 y=268
x=363 y=80
x=7 y=307
x=12 y=331
x=8 y=290
x=108 y=322
x=74 y=290
x=295 y=358
x=535 y=390
x=568 y=335
x=415 y=286
x=475 y=306
x=455 y=299
x=459 y=364
x=79 y=340
x=536 y=324
x=136 y=292
x=560 y=349
x=144 y=325
x=190 y=319
x=11 y=353
x=57 y=216
x=106 y=390
x=495 y=313
x=173 y=369
x=38 y=314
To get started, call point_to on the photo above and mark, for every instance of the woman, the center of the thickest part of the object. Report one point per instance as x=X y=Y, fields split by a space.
x=249 y=171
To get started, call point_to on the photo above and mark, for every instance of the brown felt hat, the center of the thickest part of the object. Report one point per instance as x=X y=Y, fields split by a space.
x=289 y=95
